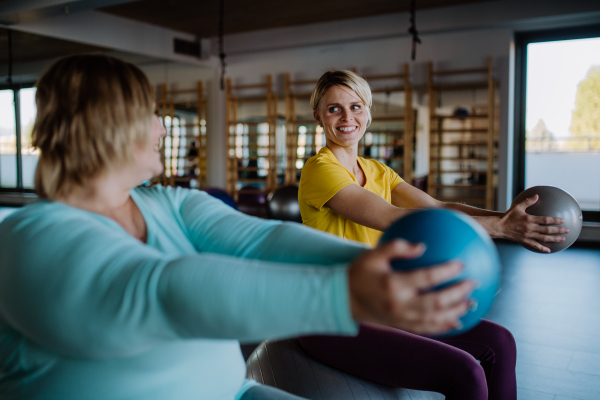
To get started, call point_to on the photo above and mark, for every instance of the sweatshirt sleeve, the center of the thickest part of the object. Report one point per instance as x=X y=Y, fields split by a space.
x=77 y=286
x=216 y=228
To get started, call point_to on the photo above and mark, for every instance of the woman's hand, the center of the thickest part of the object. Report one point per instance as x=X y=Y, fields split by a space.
x=521 y=227
x=381 y=295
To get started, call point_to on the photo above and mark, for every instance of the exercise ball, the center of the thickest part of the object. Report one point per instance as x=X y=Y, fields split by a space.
x=284 y=364
x=223 y=196
x=452 y=235
x=554 y=202
x=252 y=195
x=283 y=204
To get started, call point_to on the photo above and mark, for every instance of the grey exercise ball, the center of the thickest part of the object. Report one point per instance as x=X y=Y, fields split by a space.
x=283 y=204
x=555 y=202
x=285 y=365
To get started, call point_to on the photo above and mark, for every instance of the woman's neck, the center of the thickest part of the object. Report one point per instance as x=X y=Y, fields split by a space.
x=108 y=195
x=101 y=195
x=347 y=156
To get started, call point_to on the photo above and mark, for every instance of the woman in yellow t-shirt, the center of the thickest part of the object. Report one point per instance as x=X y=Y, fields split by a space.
x=357 y=199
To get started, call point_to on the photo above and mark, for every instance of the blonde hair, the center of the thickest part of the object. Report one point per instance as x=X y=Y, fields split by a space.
x=92 y=110
x=341 y=78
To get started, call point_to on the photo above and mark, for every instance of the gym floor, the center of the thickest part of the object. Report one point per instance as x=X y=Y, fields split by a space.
x=551 y=304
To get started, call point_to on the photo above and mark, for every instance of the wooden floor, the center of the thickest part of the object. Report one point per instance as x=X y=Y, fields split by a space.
x=551 y=304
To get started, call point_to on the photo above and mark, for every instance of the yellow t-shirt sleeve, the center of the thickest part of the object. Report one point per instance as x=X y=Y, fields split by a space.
x=394 y=178
x=321 y=180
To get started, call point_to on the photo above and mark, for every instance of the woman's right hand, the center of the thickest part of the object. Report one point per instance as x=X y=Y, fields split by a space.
x=400 y=299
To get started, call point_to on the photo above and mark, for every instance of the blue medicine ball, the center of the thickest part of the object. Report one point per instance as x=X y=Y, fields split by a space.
x=451 y=235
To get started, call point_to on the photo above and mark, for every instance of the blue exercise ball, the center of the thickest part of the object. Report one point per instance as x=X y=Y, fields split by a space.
x=451 y=235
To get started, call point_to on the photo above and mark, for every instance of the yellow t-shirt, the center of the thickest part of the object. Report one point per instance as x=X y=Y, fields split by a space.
x=323 y=176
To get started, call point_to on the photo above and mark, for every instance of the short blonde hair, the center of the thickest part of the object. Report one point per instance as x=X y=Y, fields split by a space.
x=92 y=110
x=345 y=78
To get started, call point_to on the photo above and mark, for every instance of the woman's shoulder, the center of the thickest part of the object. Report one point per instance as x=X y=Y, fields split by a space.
x=167 y=194
x=42 y=228
x=324 y=158
x=41 y=211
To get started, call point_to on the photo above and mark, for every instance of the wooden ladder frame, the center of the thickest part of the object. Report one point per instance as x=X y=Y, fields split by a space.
x=436 y=128
x=234 y=98
x=166 y=107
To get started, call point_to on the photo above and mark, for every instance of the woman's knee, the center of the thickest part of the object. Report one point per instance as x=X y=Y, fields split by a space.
x=471 y=376
x=504 y=344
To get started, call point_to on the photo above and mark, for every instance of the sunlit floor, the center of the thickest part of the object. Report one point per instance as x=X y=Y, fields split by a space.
x=551 y=304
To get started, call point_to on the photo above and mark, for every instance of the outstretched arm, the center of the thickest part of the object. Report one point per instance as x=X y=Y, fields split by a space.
x=82 y=287
x=216 y=228
x=515 y=224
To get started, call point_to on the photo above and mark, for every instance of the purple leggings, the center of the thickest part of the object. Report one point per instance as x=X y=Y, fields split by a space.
x=449 y=366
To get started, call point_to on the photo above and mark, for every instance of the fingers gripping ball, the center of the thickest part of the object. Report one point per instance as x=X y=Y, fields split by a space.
x=450 y=235
x=554 y=202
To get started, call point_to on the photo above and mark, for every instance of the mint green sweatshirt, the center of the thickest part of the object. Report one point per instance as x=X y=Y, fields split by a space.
x=89 y=312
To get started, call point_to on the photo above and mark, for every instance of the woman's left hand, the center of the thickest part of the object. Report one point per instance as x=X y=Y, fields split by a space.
x=528 y=229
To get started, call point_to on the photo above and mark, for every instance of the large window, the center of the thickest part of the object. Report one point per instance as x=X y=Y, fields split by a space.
x=558 y=118
x=17 y=159
x=8 y=141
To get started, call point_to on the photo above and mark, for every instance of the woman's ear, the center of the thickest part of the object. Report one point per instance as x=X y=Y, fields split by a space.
x=317 y=117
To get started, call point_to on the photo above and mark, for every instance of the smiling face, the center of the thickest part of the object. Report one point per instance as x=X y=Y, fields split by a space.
x=148 y=158
x=343 y=115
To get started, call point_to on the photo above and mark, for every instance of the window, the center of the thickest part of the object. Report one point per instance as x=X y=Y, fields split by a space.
x=8 y=141
x=17 y=159
x=28 y=154
x=557 y=120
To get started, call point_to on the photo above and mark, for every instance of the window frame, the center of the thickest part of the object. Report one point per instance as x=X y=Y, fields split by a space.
x=16 y=88
x=522 y=39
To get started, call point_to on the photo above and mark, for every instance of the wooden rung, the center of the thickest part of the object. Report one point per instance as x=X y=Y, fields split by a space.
x=303 y=121
x=301 y=95
x=456 y=171
x=250 y=99
x=249 y=86
x=384 y=76
x=472 y=116
x=254 y=122
x=248 y=158
x=304 y=82
x=388 y=90
x=184 y=136
x=181 y=91
x=459 y=186
x=460 y=86
x=476 y=200
x=177 y=103
x=459 y=158
x=482 y=70
x=248 y=180
x=460 y=144
x=388 y=118
x=387 y=132
x=460 y=130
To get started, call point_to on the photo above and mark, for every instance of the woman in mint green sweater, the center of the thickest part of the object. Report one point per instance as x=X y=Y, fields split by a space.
x=110 y=291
